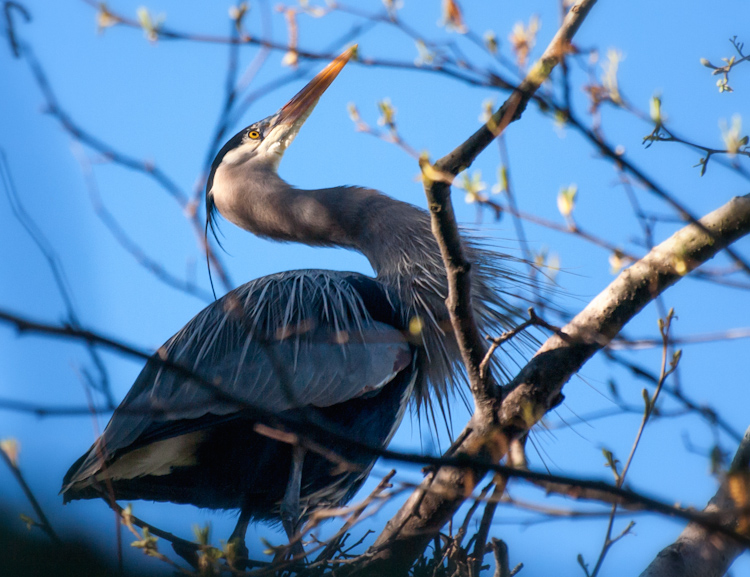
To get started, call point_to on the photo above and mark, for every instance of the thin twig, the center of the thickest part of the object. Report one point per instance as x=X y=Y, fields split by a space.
x=664 y=326
x=43 y=523
x=102 y=384
x=480 y=542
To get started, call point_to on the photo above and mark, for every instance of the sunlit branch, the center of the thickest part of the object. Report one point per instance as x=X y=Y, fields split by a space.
x=437 y=180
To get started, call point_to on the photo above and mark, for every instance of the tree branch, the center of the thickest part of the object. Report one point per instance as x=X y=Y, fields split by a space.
x=437 y=180
x=537 y=388
x=699 y=552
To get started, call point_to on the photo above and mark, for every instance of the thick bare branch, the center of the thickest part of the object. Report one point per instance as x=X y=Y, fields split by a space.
x=558 y=359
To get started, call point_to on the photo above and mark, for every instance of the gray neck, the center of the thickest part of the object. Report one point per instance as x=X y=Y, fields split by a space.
x=394 y=236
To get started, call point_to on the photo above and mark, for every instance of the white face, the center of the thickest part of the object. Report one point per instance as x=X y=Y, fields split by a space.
x=248 y=159
x=252 y=153
x=264 y=142
x=249 y=147
x=261 y=145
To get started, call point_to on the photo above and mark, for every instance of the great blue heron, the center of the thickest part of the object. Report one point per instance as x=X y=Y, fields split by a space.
x=342 y=349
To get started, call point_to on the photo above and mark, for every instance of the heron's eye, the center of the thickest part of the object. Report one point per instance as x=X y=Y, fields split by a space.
x=253 y=134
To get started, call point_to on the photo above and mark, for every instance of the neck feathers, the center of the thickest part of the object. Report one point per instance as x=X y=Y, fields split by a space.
x=391 y=234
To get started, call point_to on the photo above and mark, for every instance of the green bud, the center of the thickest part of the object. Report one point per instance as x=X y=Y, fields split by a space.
x=656 y=109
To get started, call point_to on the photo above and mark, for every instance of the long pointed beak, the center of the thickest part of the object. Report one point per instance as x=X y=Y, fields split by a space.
x=296 y=111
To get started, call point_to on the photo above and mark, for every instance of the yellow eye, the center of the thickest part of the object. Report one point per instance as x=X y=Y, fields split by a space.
x=253 y=134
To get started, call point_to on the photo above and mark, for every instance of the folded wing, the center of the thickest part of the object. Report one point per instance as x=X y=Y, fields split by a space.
x=283 y=342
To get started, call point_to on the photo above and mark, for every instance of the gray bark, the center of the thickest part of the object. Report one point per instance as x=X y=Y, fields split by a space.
x=698 y=552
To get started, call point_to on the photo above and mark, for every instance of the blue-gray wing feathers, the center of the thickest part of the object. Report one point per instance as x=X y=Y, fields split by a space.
x=290 y=340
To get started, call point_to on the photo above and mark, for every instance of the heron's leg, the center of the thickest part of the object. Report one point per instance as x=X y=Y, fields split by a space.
x=238 y=535
x=290 y=505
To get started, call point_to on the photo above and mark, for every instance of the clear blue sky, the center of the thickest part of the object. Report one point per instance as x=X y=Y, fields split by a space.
x=160 y=101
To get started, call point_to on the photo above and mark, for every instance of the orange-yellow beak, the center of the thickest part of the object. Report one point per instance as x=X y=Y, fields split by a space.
x=296 y=111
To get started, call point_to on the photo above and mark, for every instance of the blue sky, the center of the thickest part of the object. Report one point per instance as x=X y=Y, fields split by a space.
x=160 y=101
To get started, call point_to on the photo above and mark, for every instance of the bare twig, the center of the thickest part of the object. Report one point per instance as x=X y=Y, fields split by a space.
x=127 y=243
x=8 y=8
x=533 y=320
x=107 y=151
x=480 y=542
x=664 y=326
x=43 y=523
x=708 y=413
x=54 y=263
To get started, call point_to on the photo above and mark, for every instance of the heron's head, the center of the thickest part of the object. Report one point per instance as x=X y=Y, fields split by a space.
x=259 y=147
